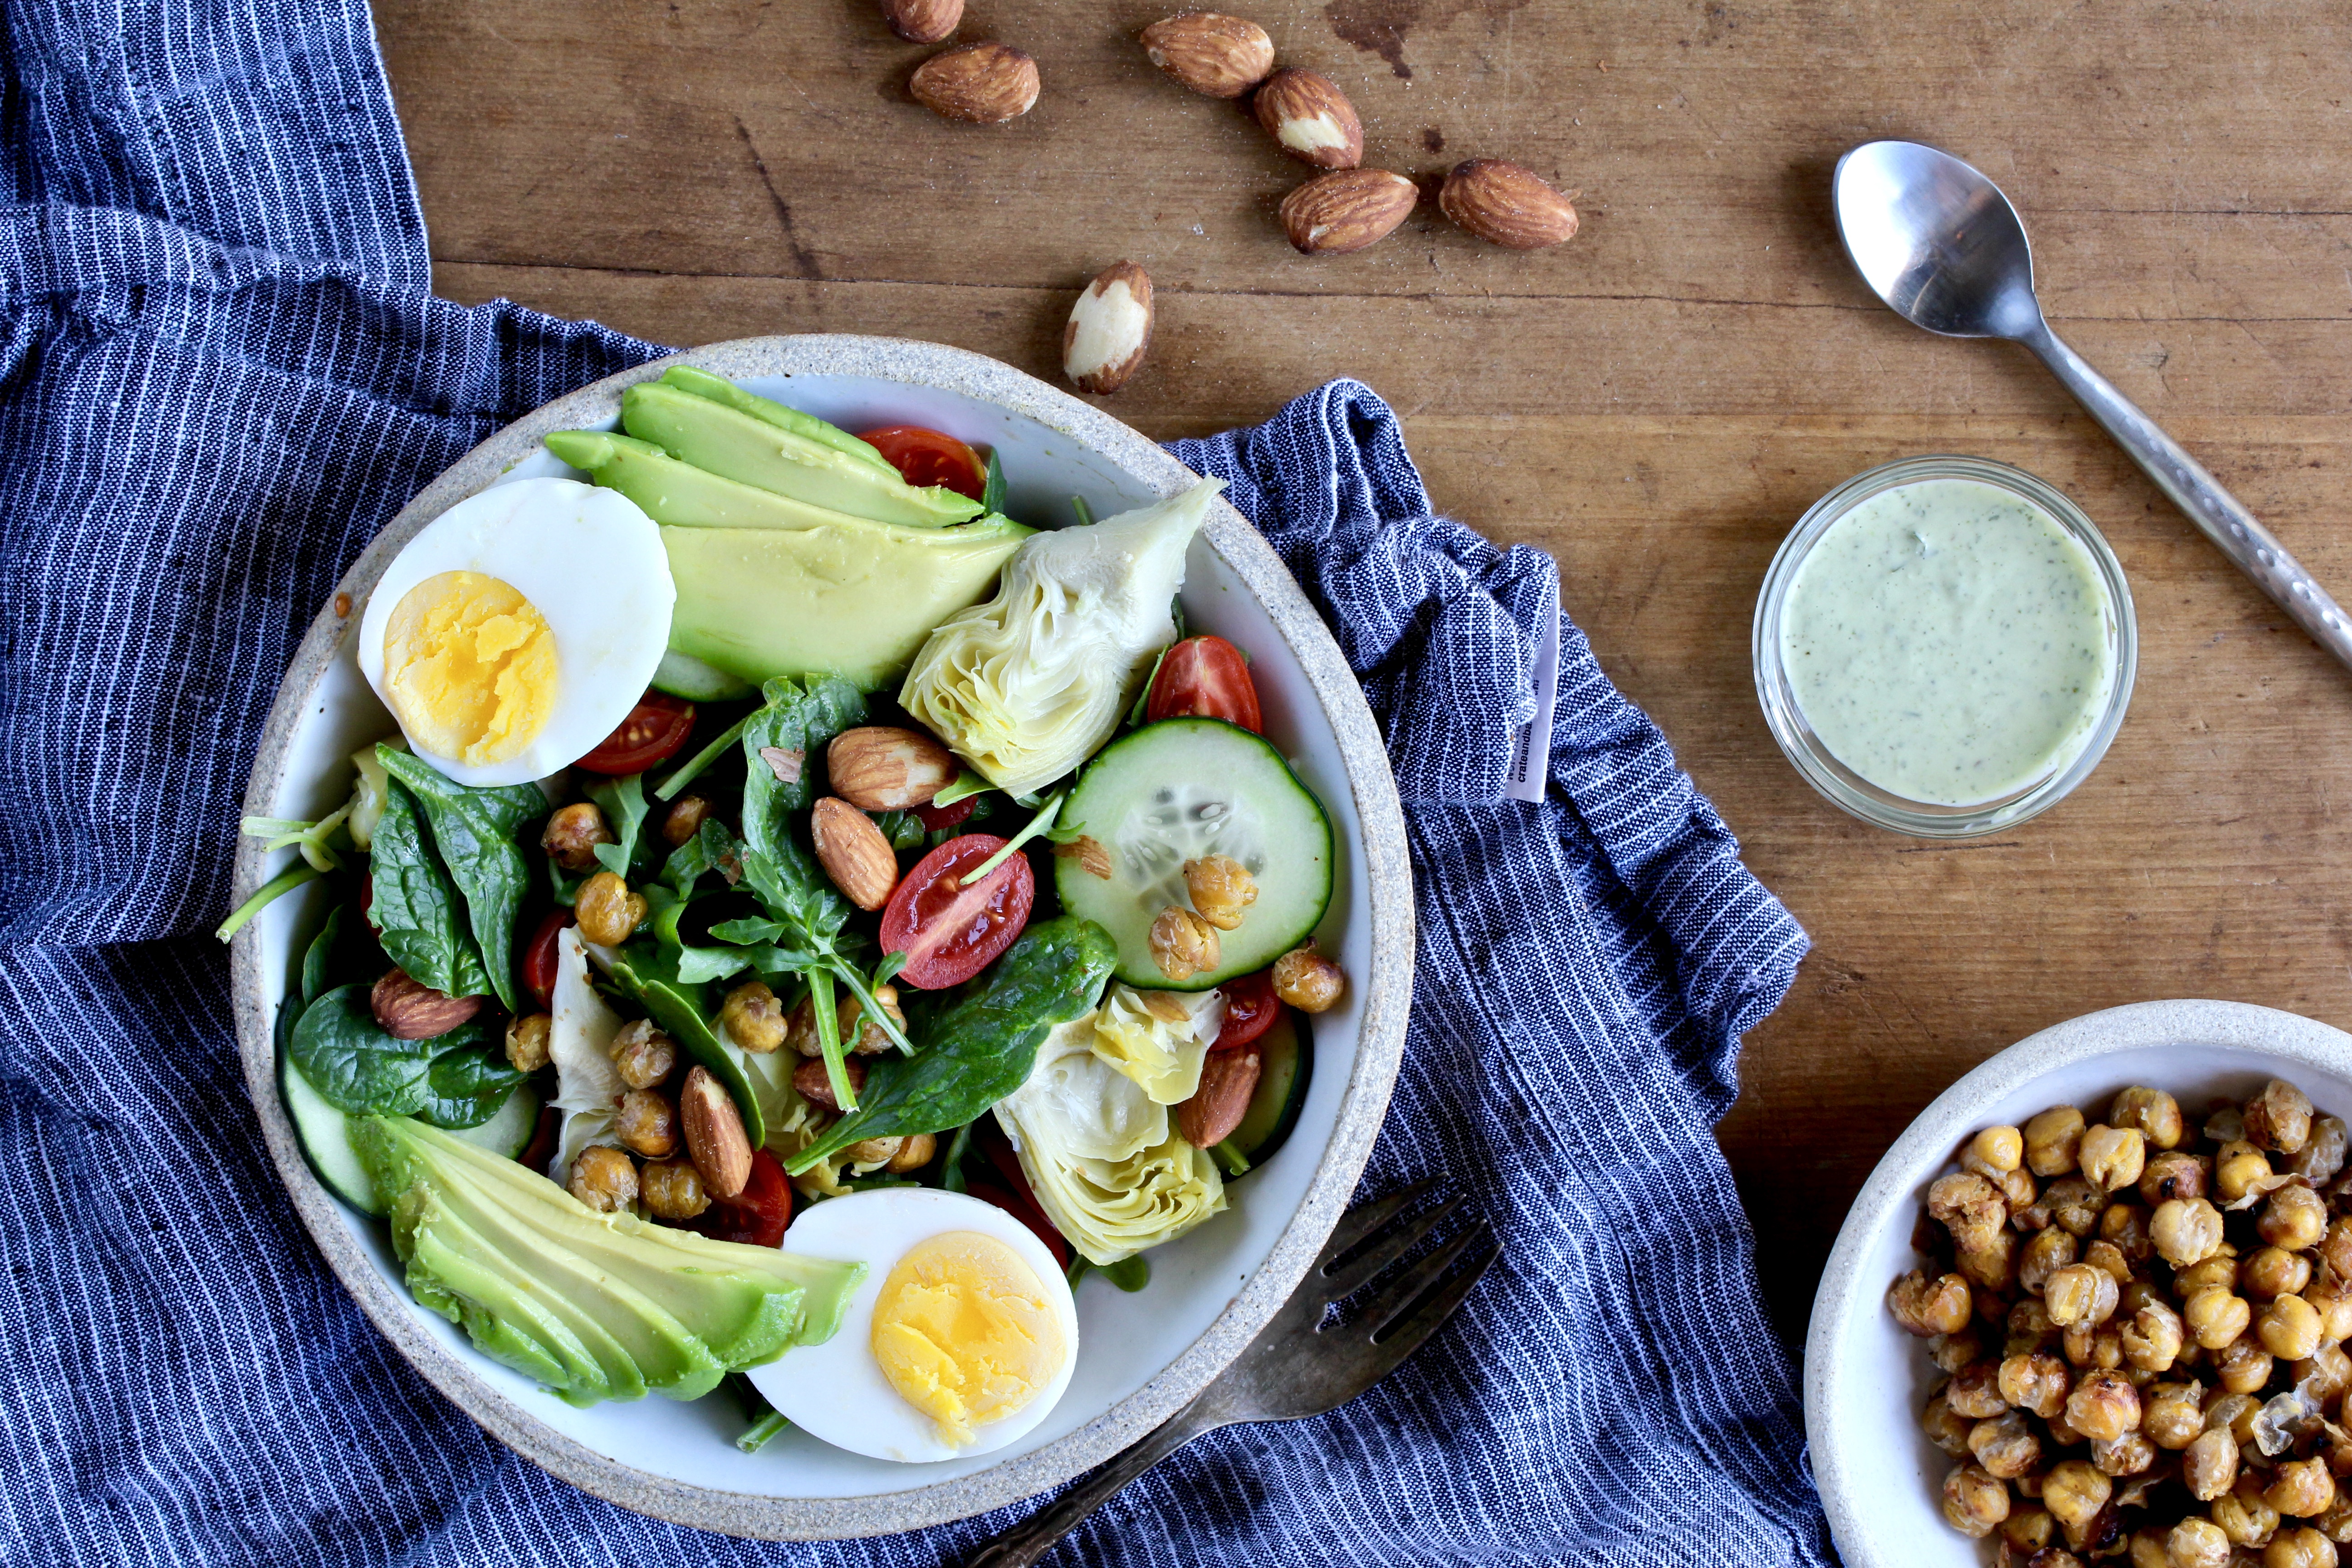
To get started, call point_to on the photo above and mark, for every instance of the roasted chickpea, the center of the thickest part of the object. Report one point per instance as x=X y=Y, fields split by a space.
x=2336 y=1249
x=2073 y=1205
x=1947 y=1428
x=2152 y=1337
x=686 y=814
x=2018 y=1191
x=1975 y=1502
x=1994 y=1152
x=2185 y=1231
x=2129 y=1454
x=753 y=1018
x=2028 y=1328
x=2322 y=1155
x=2294 y=1218
x=2237 y=1168
x=2301 y=1488
x=2271 y=1271
x=1308 y=981
x=2074 y=1492
x=2124 y=1226
x=2174 y=1174
x=2209 y=1465
x=607 y=910
x=2154 y=1113
x=2243 y=1514
x=2215 y=1319
x=2233 y=1414
x=1184 y=944
x=2148 y=1549
x=2045 y=1253
x=2325 y=1374
x=2079 y=1293
x=572 y=835
x=2279 y=1118
x=642 y=1054
x=527 y=1039
x=816 y=1086
x=2243 y=1367
x=2113 y=1157
x=2037 y=1382
x=2106 y=1257
x=1221 y=888
x=2174 y=1416
x=2103 y=1406
x=2332 y=1299
x=873 y=1151
x=603 y=1178
x=1975 y=1392
x=1990 y=1264
x=2302 y=1547
x=2093 y=1348
x=2054 y=1141
x=2197 y=1543
x=646 y=1124
x=2218 y=1272
x=865 y=1038
x=1962 y=1347
x=2029 y=1527
x=915 y=1151
x=2288 y=1329
x=673 y=1189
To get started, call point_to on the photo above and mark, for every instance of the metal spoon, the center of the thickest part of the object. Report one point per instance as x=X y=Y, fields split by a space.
x=1939 y=243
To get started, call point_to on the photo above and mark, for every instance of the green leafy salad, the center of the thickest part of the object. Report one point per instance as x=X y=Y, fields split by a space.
x=770 y=825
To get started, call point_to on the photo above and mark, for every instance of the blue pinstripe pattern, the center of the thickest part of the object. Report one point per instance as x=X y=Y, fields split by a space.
x=220 y=373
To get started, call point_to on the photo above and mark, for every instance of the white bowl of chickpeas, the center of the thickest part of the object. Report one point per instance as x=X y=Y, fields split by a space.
x=2093 y=1305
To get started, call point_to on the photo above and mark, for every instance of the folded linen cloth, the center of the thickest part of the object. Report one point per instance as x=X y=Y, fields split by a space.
x=221 y=373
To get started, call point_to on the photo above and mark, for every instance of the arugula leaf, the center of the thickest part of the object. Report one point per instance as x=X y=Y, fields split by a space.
x=319 y=956
x=466 y=1084
x=416 y=911
x=703 y=759
x=979 y=1048
x=747 y=930
x=622 y=801
x=903 y=829
x=712 y=848
x=475 y=831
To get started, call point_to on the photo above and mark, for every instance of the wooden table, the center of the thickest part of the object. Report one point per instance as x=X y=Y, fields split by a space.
x=1655 y=403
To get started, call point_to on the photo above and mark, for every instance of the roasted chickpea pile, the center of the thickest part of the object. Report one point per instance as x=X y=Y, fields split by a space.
x=2138 y=1325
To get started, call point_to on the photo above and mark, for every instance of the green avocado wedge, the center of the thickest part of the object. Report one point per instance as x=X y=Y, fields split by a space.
x=719 y=389
x=736 y=445
x=680 y=495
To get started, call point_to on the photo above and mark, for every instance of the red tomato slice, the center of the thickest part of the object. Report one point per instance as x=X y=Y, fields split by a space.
x=949 y=932
x=1251 y=1008
x=653 y=732
x=935 y=818
x=539 y=956
x=1205 y=677
x=929 y=457
x=757 y=1215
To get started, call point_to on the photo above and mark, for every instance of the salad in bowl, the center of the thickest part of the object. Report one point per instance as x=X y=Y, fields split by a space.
x=794 y=921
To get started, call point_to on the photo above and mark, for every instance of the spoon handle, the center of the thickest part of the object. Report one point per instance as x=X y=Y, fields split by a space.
x=2216 y=512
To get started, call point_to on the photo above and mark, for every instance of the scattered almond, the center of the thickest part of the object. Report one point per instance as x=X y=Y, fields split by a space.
x=880 y=767
x=715 y=1139
x=814 y=1081
x=786 y=764
x=1311 y=118
x=922 y=21
x=409 y=1010
x=854 y=853
x=1507 y=204
x=1109 y=330
x=1088 y=852
x=1228 y=1079
x=1221 y=56
x=1346 y=210
x=982 y=84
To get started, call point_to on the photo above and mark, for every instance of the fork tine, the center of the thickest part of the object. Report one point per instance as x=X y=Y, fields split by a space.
x=1349 y=1272
x=1389 y=1303
x=1409 y=1329
x=1365 y=1218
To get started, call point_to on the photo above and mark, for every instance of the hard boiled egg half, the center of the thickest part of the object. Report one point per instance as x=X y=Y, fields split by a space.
x=960 y=1339
x=519 y=628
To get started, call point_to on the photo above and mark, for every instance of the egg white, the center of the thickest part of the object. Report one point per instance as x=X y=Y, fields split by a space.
x=836 y=1391
x=593 y=564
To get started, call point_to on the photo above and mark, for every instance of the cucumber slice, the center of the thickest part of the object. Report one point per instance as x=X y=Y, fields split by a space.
x=1174 y=791
x=683 y=675
x=1287 y=1065
x=508 y=1133
x=324 y=1133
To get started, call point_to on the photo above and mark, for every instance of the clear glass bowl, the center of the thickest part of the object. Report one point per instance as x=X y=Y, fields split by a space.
x=1848 y=790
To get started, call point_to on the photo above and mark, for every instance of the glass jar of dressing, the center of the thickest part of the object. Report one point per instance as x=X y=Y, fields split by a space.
x=1945 y=646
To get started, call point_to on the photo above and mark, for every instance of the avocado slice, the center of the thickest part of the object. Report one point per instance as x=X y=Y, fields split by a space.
x=502 y=1308
x=719 y=389
x=758 y=602
x=681 y=494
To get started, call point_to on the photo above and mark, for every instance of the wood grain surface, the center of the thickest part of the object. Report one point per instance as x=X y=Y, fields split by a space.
x=1654 y=403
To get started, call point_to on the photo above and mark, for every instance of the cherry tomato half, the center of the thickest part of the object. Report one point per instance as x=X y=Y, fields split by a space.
x=653 y=732
x=935 y=818
x=539 y=956
x=1251 y=1008
x=757 y=1215
x=1205 y=677
x=949 y=932
x=929 y=457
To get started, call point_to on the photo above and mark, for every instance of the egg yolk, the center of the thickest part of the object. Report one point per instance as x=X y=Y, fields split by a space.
x=964 y=1331
x=470 y=667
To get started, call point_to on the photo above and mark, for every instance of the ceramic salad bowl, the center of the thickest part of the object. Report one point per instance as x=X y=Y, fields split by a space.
x=1141 y=1356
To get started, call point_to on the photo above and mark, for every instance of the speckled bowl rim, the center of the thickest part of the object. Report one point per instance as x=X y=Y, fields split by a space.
x=1387 y=987
x=1928 y=1144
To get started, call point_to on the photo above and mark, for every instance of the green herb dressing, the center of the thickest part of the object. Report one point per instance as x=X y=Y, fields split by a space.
x=1949 y=642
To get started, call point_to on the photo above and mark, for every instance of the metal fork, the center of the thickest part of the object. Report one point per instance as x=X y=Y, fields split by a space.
x=1296 y=1367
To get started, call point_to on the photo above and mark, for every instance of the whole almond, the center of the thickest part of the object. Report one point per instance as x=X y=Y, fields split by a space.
x=1346 y=210
x=1228 y=1079
x=1221 y=56
x=409 y=1010
x=1108 y=330
x=878 y=767
x=922 y=21
x=854 y=853
x=715 y=1139
x=1509 y=205
x=1311 y=118
x=984 y=84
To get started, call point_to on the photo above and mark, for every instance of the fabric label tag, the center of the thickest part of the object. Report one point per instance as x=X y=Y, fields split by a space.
x=1530 y=765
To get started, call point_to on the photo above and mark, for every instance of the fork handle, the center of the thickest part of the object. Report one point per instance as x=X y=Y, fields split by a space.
x=1034 y=1537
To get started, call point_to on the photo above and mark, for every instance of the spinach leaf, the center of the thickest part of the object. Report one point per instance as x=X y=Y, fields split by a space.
x=475 y=831
x=981 y=1047
x=355 y=1066
x=321 y=954
x=468 y=1082
x=622 y=801
x=782 y=742
x=1130 y=1274
x=418 y=912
